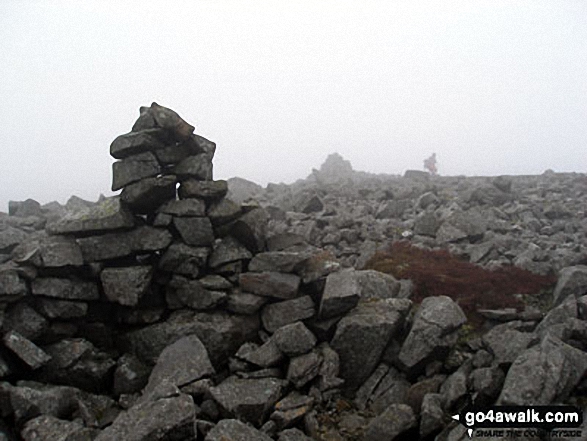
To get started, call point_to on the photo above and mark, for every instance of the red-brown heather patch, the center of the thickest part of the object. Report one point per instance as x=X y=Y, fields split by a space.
x=437 y=272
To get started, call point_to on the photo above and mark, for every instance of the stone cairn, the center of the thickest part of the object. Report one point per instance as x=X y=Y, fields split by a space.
x=167 y=313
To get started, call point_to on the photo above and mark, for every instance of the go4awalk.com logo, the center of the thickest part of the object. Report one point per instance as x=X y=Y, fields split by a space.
x=560 y=421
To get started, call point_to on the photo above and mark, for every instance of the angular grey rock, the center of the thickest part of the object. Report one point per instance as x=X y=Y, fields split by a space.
x=26 y=350
x=392 y=389
x=294 y=339
x=116 y=245
x=183 y=259
x=461 y=225
x=506 y=343
x=487 y=382
x=126 y=286
x=432 y=417
x=184 y=207
x=30 y=207
x=216 y=283
x=283 y=241
x=248 y=400
x=239 y=302
x=197 y=167
x=304 y=368
x=175 y=153
x=29 y=399
x=146 y=195
x=392 y=209
x=46 y=427
x=430 y=335
x=61 y=309
x=489 y=195
x=221 y=333
x=130 y=376
x=455 y=387
x=396 y=420
x=12 y=287
x=157 y=116
x=206 y=190
x=276 y=315
x=266 y=355
x=571 y=281
x=235 y=430
x=136 y=142
x=310 y=204
x=427 y=199
x=223 y=211
x=426 y=224
x=271 y=284
x=377 y=285
x=166 y=419
x=341 y=294
x=293 y=435
x=49 y=252
x=103 y=217
x=10 y=237
x=77 y=362
x=134 y=168
x=363 y=394
x=181 y=363
x=559 y=320
x=192 y=294
x=251 y=229
x=361 y=337
x=68 y=289
x=195 y=231
x=26 y=321
x=228 y=250
x=291 y=409
x=543 y=374
x=278 y=261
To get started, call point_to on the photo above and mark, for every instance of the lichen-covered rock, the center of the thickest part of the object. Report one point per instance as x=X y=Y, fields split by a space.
x=396 y=420
x=572 y=281
x=341 y=294
x=105 y=216
x=46 y=427
x=271 y=284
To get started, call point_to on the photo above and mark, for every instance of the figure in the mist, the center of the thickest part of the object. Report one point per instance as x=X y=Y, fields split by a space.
x=430 y=164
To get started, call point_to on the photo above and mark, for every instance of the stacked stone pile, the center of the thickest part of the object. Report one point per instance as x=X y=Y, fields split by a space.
x=170 y=313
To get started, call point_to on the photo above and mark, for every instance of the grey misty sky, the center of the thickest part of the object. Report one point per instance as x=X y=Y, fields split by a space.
x=493 y=87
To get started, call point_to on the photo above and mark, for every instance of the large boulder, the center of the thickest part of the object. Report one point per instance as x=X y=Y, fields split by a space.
x=361 y=337
x=170 y=418
x=105 y=216
x=250 y=400
x=572 y=281
x=544 y=374
x=432 y=333
x=181 y=363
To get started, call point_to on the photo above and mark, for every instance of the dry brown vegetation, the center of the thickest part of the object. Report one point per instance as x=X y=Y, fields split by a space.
x=437 y=272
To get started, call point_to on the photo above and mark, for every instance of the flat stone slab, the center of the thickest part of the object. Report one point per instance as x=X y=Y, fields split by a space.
x=67 y=289
x=26 y=350
x=105 y=216
x=235 y=430
x=271 y=284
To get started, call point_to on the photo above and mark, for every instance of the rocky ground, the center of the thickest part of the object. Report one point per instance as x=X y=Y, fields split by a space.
x=188 y=308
